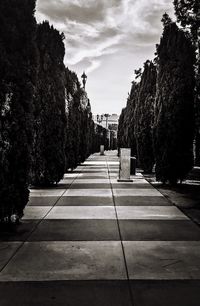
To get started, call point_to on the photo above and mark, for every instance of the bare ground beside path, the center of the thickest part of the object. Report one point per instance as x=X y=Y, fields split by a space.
x=185 y=196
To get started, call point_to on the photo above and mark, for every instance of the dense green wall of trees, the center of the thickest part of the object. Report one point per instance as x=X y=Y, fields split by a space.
x=159 y=117
x=174 y=106
x=126 y=128
x=143 y=117
x=46 y=125
x=187 y=13
x=50 y=120
x=18 y=64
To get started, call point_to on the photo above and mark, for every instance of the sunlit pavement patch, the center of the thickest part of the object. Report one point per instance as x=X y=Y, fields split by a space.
x=88 y=192
x=36 y=212
x=82 y=212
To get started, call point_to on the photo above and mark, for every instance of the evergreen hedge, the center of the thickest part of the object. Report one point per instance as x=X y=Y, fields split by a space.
x=174 y=106
x=163 y=100
x=18 y=62
x=50 y=119
x=46 y=124
x=126 y=128
x=187 y=13
x=143 y=117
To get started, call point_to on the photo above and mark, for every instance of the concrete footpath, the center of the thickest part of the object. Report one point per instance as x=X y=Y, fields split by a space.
x=92 y=241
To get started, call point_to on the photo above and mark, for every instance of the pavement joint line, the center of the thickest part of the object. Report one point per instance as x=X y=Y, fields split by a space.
x=120 y=236
x=38 y=223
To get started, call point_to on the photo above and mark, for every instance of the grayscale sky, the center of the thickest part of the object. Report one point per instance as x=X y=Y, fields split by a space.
x=108 y=39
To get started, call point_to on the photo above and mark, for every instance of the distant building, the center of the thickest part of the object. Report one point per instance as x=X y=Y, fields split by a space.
x=110 y=122
x=107 y=121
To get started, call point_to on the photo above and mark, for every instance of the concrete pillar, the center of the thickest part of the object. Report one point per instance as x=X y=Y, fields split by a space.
x=125 y=165
x=102 y=150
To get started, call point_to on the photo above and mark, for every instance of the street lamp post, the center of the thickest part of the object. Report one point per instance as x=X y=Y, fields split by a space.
x=84 y=79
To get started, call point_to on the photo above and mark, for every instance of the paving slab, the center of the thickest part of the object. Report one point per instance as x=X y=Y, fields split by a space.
x=159 y=230
x=65 y=293
x=137 y=192
x=166 y=293
x=63 y=185
x=94 y=170
x=91 y=181
x=7 y=249
x=70 y=175
x=150 y=212
x=85 y=201
x=76 y=230
x=35 y=212
x=132 y=186
x=93 y=176
x=42 y=201
x=141 y=201
x=113 y=175
x=46 y=192
x=19 y=232
x=67 y=180
x=82 y=212
x=88 y=192
x=95 y=166
x=95 y=163
x=90 y=185
x=161 y=260
x=100 y=170
x=61 y=260
x=113 y=166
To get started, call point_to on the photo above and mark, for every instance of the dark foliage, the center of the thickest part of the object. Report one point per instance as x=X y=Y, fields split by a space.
x=174 y=117
x=17 y=79
x=188 y=14
x=83 y=137
x=100 y=138
x=126 y=129
x=143 y=117
x=76 y=147
x=50 y=120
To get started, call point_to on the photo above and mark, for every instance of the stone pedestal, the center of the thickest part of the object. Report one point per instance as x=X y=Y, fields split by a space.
x=102 y=150
x=125 y=165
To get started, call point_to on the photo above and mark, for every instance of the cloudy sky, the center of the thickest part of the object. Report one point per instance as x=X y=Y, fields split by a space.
x=108 y=39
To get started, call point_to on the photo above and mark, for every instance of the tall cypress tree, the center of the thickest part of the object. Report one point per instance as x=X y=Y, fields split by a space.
x=80 y=129
x=121 y=142
x=143 y=117
x=17 y=79
x=50 y=119
x=130 y=118
x=188 y=15
x=126 y=128
x=73 y=133
x=84 y=126
x=174 y=109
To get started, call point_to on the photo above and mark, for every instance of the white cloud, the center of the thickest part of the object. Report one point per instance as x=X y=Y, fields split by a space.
x=100 y=31
x=94 y=65
x=93 y=27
